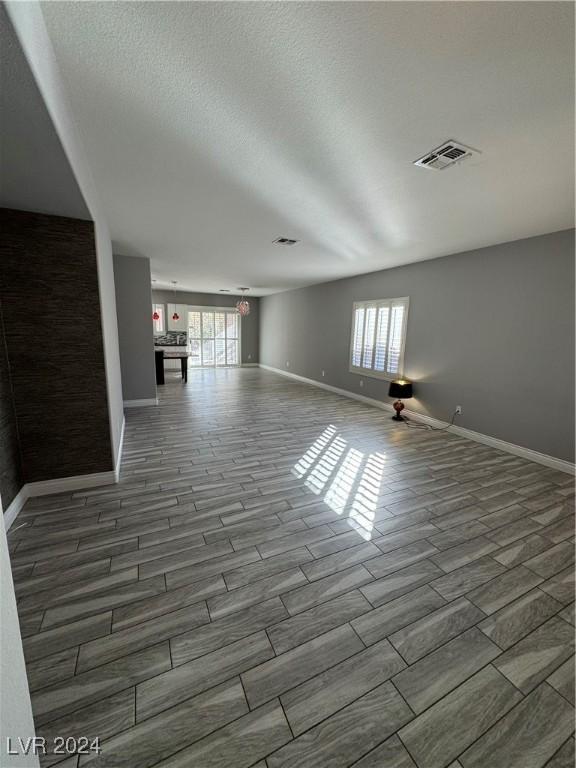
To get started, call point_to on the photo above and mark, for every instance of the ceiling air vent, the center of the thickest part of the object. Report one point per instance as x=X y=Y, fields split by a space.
x=285 y=241
x=446 y=154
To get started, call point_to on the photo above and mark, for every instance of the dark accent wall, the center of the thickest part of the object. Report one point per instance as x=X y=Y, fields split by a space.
x=11 y=477
x=250 y=324
x=491 y=330
x=52 y=323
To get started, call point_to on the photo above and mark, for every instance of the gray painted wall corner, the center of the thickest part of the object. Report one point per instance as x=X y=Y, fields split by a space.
x=491 y=330
x=132 y=282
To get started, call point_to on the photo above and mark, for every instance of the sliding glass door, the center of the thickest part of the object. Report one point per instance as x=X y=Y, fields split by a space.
x=213 y=337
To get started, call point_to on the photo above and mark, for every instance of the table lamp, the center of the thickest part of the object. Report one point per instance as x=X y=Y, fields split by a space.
x=401 y=389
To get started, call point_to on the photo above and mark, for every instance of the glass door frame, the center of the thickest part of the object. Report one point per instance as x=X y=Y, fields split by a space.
x=229 y=310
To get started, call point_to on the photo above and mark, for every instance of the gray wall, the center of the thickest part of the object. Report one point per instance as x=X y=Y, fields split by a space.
x=11 y=477
x=28 y=22
x=491 y=330
x=34 y=170
x=52 y=324
x=250 y=324
x=135 y=330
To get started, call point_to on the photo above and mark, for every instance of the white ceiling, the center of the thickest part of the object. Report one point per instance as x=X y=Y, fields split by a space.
x=213 y=127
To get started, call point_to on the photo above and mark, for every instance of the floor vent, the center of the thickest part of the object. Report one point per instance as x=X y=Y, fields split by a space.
x=445 y=155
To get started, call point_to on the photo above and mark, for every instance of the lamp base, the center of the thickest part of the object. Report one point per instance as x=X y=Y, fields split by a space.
x=398 y=407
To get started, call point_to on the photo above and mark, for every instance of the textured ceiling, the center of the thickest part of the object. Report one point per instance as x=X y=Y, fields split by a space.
x=213 y=128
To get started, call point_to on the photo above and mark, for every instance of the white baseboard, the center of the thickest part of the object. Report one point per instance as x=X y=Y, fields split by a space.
x=141 y=403
x=330 y=388
x=58 y=485
x=74 y=483
x=63 y=485
x=15 y=506
x=517 y=450
x=120 y=449
x=478 y=437
x=250 y=365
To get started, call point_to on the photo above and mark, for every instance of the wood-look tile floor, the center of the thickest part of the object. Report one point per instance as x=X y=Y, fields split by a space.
x=287 y=578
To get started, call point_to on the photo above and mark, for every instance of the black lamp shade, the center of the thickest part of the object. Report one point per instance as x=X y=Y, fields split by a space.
x=401 y=389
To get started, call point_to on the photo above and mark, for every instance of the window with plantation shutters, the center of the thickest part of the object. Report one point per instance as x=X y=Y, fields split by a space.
x=213 y=337
x=378 y=335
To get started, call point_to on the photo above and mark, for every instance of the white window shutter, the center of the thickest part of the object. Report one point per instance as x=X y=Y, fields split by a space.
x=214 y=337
x=378 y=337
x=395 y=338
x=381 y=339
x=357 y=336
x=370 y=327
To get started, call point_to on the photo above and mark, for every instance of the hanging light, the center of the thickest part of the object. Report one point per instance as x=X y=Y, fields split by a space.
x=243 y=306
x=155 y=315
x=175 y=316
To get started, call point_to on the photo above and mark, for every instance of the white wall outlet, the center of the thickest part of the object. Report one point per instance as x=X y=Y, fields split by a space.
x=361 y=382
x=249 y=357
x=287 y=363
x=323 y=374
x=458 y=410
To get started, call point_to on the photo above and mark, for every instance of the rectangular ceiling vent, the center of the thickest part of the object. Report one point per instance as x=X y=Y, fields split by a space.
x=285 y=241
x=445 y=155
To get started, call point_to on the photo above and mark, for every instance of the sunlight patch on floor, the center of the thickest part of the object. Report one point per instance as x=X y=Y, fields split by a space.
x=352 y=479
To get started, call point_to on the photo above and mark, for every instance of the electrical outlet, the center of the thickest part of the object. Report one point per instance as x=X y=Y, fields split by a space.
x=287 y=363
x=249 y=357
x=458 y=410
x=361 y=382
x=323 y=374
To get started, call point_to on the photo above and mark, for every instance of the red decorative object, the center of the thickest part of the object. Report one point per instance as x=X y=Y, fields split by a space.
x=155 y=316
x=175 y=316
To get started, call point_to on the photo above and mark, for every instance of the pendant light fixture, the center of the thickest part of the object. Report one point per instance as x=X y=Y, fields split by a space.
x=175 y=316
x=155 y=315
x=243 y=306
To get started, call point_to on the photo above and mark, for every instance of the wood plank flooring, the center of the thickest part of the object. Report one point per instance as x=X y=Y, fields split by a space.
x=284 y=577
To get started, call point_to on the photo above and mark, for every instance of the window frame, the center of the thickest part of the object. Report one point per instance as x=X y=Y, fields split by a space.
x=377 y=303
x=229 y=310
